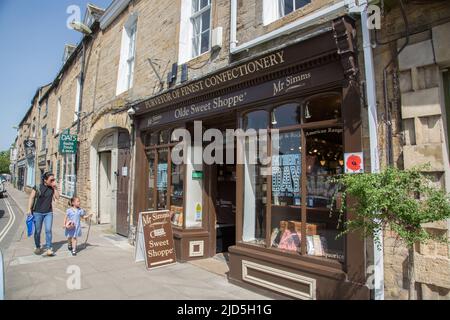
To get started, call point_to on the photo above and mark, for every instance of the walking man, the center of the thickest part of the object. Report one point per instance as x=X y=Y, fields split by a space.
x=40 y=206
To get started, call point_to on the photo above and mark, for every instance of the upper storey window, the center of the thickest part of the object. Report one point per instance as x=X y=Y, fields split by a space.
x=195 y=29
x=276 y=9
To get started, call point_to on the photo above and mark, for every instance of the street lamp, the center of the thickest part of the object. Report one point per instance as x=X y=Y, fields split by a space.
x=80 y=27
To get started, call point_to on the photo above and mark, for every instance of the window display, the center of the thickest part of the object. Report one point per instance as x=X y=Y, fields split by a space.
x=176 y=194
x=151 y=156
x=304 y=154
x=255 y=185
x=161 y=181
x=324 y=160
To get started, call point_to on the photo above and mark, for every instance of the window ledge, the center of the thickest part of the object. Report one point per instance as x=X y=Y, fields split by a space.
x=198 y=59
x=315 y=265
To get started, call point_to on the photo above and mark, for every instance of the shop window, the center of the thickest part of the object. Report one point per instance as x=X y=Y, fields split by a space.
x=165 y=190
x=161 y=178
x=164 y=137
x=325 y=107
x=256 y=120
x=324 y=159
x=151 y=155
x=304 y=158
x=255 y=183
x=286 y=192
x=151 y=139
x=69 y=177
x=286 y=115
x=177 y=193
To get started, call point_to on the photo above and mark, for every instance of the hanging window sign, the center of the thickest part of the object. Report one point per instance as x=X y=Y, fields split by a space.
x=354 y=162
x=286 y=171
x=68 y=143
x=30 y=144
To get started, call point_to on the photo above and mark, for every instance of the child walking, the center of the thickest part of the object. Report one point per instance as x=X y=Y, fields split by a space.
x=72 y=223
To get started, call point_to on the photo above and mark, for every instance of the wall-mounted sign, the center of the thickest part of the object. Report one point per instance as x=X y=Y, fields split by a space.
x=243 y=72
x=354 y=162
x=291 y=83
x=30 y=145
x=154 y=239
x=68 y=143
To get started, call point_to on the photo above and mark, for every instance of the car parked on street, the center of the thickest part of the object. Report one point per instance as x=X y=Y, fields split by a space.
x=2 y=186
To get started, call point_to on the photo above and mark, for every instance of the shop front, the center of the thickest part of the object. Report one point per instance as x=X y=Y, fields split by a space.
x=285 y=119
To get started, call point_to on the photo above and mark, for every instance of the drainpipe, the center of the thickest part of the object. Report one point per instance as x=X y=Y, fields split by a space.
x=373 y=137
x=233 y=26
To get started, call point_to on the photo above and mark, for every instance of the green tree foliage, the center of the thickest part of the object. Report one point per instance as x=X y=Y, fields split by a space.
x=402 y=200
x=4 y=162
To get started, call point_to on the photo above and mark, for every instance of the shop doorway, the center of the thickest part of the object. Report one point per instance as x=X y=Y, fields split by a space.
x=105 y=187
x=225 y=206
x=221 y=187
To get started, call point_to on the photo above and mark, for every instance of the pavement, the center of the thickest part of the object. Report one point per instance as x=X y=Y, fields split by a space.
x=104 y=269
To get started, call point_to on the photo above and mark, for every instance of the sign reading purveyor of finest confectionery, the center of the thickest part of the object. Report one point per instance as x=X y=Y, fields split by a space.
x=354 y=162
x=68 y=143
x=299 y=81
x=154 y=239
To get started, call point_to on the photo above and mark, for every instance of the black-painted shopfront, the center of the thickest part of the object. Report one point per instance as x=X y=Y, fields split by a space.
x=277 y=228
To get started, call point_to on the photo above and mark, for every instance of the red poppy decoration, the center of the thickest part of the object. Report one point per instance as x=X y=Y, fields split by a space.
x=354 y=163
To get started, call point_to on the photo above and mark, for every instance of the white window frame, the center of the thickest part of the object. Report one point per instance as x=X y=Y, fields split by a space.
x=186 y=34
x=127 y=56
x=44 y=138
x=197 y=13
x=30 y=172
x=58 y=116
x=68 y=175
x=274 y=10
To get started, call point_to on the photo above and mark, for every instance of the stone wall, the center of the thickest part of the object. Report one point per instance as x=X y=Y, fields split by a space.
x=418 y=132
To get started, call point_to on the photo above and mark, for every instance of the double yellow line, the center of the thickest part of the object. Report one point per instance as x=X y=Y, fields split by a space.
x=12 y=219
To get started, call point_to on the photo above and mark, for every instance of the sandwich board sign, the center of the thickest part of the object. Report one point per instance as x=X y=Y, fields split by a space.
x=154 y=239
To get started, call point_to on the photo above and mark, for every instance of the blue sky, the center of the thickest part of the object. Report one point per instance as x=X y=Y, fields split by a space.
x=33 y=36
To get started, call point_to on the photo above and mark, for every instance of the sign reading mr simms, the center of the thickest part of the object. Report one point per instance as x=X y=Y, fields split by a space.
x=221 y=78
x=158 y=238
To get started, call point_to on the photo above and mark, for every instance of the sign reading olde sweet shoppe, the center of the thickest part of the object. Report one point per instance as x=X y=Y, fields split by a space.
x=154 y=239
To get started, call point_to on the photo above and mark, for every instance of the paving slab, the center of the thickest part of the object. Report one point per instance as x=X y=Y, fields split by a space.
x=108 y=270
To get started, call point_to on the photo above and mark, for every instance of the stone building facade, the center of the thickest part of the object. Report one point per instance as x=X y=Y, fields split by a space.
x=414 y=128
